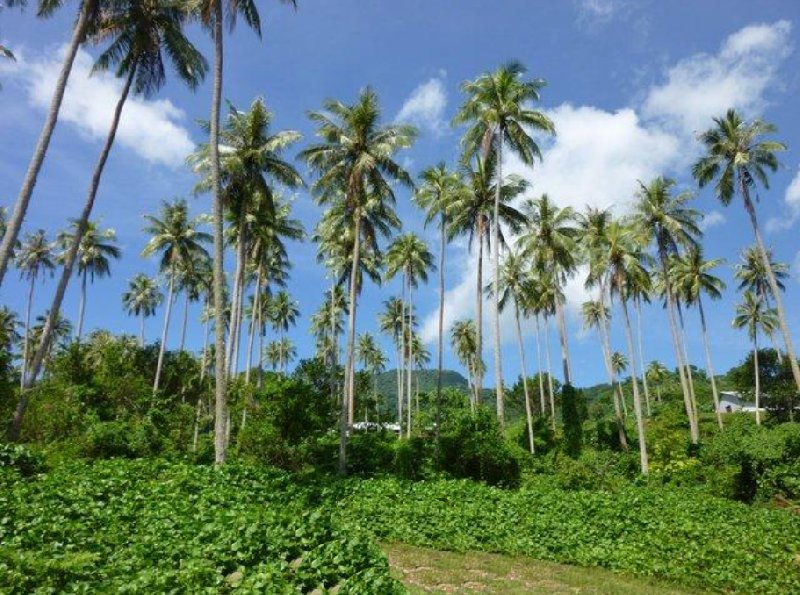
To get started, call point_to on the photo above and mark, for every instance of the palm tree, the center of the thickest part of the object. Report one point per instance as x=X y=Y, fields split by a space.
x=669 y=223
x=140 y=33
x=87 y=15
x=141 y=299
x=34 y=259
x=355 y=166
x=549 y=241
x=498 y=111
x=392 y=321
x=464 y=339
x=693 y=278
x=373 y=359
x=9 y=335
x=752 y=275
x=657 y=373
x=624 y=260
x=94 y=253
x=410 y=256
x=283 y=313
x=514 y=284
x=420 y=357
x=755 y=316
x=596 y=314
x=737 y=157
x=176 y=237
x=545 y=297
x=473 y=214
x=436 y=194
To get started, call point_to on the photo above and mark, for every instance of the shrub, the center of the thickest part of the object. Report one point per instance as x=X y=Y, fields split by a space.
x=127 y=439
x=21 y=459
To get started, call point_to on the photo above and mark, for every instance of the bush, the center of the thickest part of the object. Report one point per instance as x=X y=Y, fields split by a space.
x=21 y=459
x=595 y=470
x=127 y=439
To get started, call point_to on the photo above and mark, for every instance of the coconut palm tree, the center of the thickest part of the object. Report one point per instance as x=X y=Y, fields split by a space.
x=755 y=316
x=693 y=277
x=545 y=297
x=9 y=331
x=371 y=356
x=669 y=223
x=179 y=241
x=34 y=259
x=97 y=248
x=392 y=321
x=514 y=284
x=624 y=259
x=438 y=191
x=283 y=313
x=409 y=255
x=141 y=299
x=473 y=216
x=139 y=33
x=752 y=275
x=498 y=112
x=355 y=166
x=87 y=15
x=464 y=339
x=420 y=357
x=737 y=158
x=658 y=374
x=596 y=314
x=549 y=241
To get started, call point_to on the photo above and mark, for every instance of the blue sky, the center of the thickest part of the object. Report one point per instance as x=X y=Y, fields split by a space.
x=630 y=83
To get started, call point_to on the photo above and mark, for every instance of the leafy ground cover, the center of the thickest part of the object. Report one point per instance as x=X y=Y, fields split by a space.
x=679 y=535
x=424 y=570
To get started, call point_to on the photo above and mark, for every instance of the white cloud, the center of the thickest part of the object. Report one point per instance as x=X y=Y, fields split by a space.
x=425 y=106
x=703 y=86
x=150 y=128
x=712 y=219
x=598 y=10
x=792 y=200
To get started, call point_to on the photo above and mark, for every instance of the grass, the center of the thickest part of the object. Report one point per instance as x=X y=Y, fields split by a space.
x=424 y=570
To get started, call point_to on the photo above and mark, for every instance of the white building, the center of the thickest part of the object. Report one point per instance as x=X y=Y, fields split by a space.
x=730 y=401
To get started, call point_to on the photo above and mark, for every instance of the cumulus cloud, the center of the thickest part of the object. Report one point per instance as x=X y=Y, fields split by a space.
x=425 y=106
x=705 y=85
x=150 y=128
x=712 y=219
x=792 y=200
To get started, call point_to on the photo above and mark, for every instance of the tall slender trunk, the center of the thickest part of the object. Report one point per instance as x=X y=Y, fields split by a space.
x=403 y=354
x=204 y=358
x=549 y=372
x=196 y=431
x=220 y=377
x=562 y=335
x=637 y=304
x=758 y=379
x=440 y=344
x=165 y=329
x=34 y=167
x=69 y=263
x=612 y=377
x=709 y=366
x=773 y=283
x=240 y=313
x=498 y=361
x=676 y=345
x=479 y=321
x=348 y=401
x=82 y=306
x=689 y=374
x=25 y=346
x=399 y=382
x=253 y=316
x=141 y=328
x=528 y=413
x=637 y=399
x=542 y=405
x=409 y=361
x=185 y=320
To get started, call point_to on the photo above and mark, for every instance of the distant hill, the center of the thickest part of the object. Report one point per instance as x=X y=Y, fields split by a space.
x=387 y=381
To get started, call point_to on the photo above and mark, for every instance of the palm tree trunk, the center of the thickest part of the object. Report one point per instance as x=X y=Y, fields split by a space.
x=165 y=329
x=637 y=400
x=479 y=321
x=348 y=400
x=549 y=372
x=25 y=346
x=638 y=306
x=403 y=354
x=399 y=383
x=528 y=413
x=542 y=405
x=253 y=318
x=409 y=359
x=687 y=361
x=196 y=431
x=616 y=393
x=498 y=361
x=35 y=165
x=203 y=360
x=220 y=405
x=673 y=327
x=441 y=329
x=240 y=312
x=185 y=320
x=758 y=379
x=82 y=307
x=562 y=333
x=141 y=328
x=773 y=284
x=709 y=366
x=83 y=223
